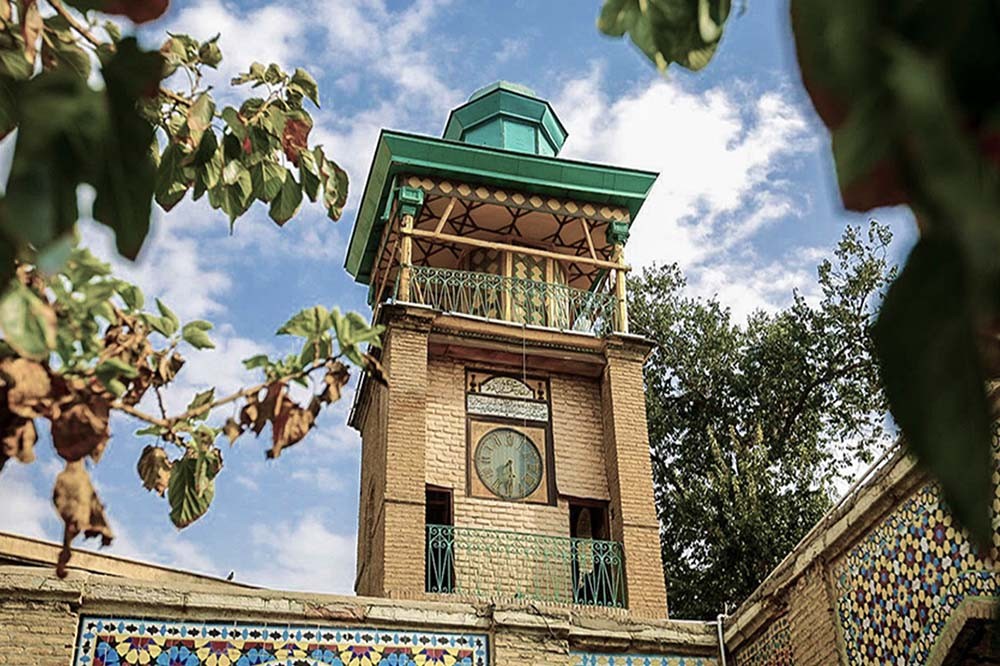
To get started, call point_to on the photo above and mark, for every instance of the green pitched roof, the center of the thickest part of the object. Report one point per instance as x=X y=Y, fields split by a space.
x=400 y=153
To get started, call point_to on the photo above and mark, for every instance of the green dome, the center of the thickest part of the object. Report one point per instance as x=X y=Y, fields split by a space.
x=509 y=116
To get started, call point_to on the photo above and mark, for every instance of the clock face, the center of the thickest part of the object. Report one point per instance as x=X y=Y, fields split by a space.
x=508 y=463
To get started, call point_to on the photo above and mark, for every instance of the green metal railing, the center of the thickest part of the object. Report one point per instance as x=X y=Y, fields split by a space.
x=497 y=564
x=513 y=299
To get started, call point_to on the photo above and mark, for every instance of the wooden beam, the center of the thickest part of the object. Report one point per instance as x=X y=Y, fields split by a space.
x=586 y=233
x=388 y=269
x=504 y=247
x=405 y=257
x=444 y=218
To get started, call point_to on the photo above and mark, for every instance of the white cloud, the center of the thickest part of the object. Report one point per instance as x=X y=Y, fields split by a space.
x=221 y=367
x=720 y=154
x=271 y=33
x=304 y=555
x=26 y=511
x=172 y=265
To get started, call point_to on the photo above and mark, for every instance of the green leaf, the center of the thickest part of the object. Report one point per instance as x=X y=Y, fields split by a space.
x=114 y=367
x=199 y=119
x=287 y=202
x=267 y=177
x=170 y=319
x=683 y=31
x=274 y=74
x=28 y=324
x=927 y=349
x=334 y=188
x=304 y=81
x=234 y=173
x=257 y=361
x=209 y=53
x=132 y=296
x=151 y=430
x=171 y=183
x=200 y=400
x=255 y=74
x=309 y=173
x=234 y=122
x=159 y=324
x=316 y=349
x=114 y=32
x=309 y=323
x=59 y=53
x=127 y=179
x=59 y=146
x=195 y=334
x=8 y=106
x=192 y=486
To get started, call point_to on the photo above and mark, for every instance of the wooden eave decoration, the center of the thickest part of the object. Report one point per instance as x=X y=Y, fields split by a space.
x=540 y=188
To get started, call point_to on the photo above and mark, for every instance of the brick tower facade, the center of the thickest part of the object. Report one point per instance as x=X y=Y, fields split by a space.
x=508 y=456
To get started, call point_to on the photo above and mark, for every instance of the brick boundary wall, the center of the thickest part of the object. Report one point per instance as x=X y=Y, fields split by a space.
x=40 y=616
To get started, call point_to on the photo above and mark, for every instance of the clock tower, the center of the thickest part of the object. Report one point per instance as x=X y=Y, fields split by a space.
x=508 y=457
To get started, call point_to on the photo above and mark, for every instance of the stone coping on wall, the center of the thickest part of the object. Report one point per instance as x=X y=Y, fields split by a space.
x=892 y=478
x=99 y=595
x=16 y=549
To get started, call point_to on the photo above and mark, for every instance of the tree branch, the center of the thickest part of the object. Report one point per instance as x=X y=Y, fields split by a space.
x=170 y=421
x=76 y=25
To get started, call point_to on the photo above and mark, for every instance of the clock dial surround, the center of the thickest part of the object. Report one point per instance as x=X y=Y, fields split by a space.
x=508 y=463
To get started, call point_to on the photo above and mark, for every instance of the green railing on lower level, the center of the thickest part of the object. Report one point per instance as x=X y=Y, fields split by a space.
x=512 y=299
x=498 y=564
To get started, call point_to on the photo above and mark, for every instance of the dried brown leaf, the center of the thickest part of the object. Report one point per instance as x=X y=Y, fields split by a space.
x=269 y=407
x=291 y=424
x=28 y=386
x=167 y=367
x=336 y=377
x=32 y=25
x=80 y=509
x=232 y=430
x=154 y=469
x=17 y=439
x=375 y=370
x=295 y=137
x=82 y=429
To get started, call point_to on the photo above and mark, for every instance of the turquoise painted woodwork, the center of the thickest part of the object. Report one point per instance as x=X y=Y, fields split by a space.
x=532 y=301
x=509 y=116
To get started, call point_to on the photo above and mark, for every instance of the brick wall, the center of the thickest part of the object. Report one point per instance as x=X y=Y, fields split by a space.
x=40 y=616
x=371 y=523
x=577 y=442
x=630 y=481
x=36 y=633
x=578 y=433
x=811 y=619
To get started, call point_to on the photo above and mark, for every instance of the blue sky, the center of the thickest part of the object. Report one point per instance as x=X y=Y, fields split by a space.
x=746 y=203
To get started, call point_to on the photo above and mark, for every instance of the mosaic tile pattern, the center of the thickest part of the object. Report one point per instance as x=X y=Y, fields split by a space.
x=127 y=641
x=898 y=587
x=772 y=648
x=592 y=659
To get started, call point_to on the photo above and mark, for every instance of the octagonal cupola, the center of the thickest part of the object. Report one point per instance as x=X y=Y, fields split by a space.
x=509 y=116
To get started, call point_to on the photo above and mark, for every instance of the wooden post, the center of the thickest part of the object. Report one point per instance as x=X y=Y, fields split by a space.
x=550 y=301
x=621 y=312
x=405 y=257
x=508 y=274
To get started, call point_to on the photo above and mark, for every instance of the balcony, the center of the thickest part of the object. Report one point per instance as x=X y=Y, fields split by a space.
x=502 y=565
x=513 y=299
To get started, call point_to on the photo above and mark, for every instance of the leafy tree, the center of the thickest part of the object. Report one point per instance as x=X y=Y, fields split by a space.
x=751 y=423
x=908 y=91
x=93 y=108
